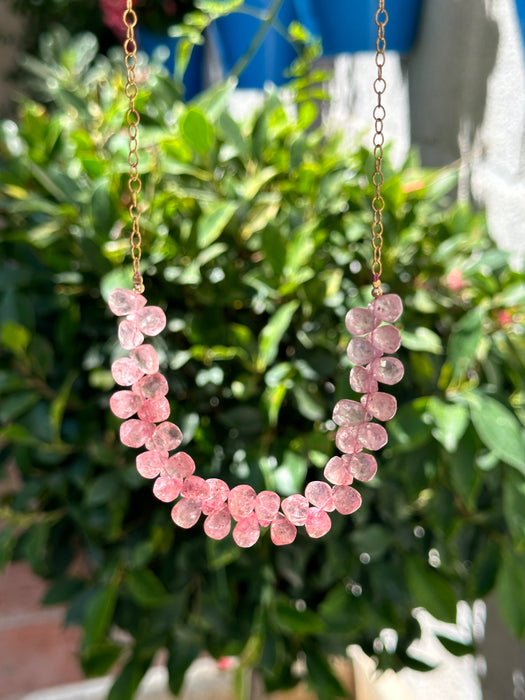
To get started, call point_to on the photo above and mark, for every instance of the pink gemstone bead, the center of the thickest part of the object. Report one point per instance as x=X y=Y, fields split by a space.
x=241 y=501
x=387 y=307
x=218 y=524
x=362 y=466
x=167 y=489
x=123 y=302
x=218 y=493
x=387 y=339
x=151 y=320
x=380 y=405
x=125 y=372
x=295 y=509
x=387 y=370
x=151 y=386
x=319 y=494
x=361 y=380
x=124 y=404
x=318 y=522
x=180 y=465
x=348 y=412
x=360 y=351
x=195 y=488
x=151 y=463
x=282 y=531
x=346 y=499
x=186 y=512
x=146 y=358
x=267 y=504
x=129 y=335
x=338 y=472
x=247 y=531
x=347 y=438
x=134 y=433
x=372 y=436
x=167 y=436
x=360 y=321
x=155 y=410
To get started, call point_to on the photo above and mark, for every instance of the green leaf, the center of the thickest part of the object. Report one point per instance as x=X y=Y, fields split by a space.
x=102 y=489
x=146 y=589
x=465 y=339
x=321 y=677
x=233 y=133
x=211 y=224
x=99 y=660
x=455 y=647
x=271 y=335
x=8 y=540
x=450 y=422
x=125 y=686
x=511 y=592
x=197 y=131
x=375 y=540
x=58 y=405
x=17 y=405
x=430 y=589
x=15 y=337
x=62 y=590
x=298 y=622
x=514 y=506
x=498 y=429
x=422 y=340
x=183 y=651
x=99 y=614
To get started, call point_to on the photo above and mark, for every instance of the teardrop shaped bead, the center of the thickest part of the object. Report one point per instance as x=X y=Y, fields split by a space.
x=372 y=436
x=387 y=339
x=346 y=499
x=195 y=488
x=295 y=508
x=125 y=372
x=318 y=522
x=360 y=321
x=361 y=351
x=247 y=531
x=218 y=524
x=124 y=404
x=380 y=405
x=151 y=386
x=167 y=489
x=267 y=504
x=387 y=307
x=180 y=465
x=319 y=494
x=387 y=370
x=241 y=501
x=361 y=380
x=124 y=301
x=129 y=335
x=218 y=494
x=146 y=358
x=151 y=463
x=347 y=412
x=347 y=438
x=151 y=320
x=135 y=433
x=362 y=466
x=282 y=531
x=155 y=410
x=186 y=513
x=338 y=472
x=167 y=436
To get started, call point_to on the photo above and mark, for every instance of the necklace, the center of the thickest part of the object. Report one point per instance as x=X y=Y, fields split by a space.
x=145 y=409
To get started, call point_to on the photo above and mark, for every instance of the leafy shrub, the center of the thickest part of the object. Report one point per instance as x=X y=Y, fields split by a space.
x=256 y=239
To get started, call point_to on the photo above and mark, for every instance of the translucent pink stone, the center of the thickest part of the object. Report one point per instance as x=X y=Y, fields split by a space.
x=151 y=463
x=167 y=489
x=241 y=501
x=360 y=351
x=348 y=412
x=361 y=380
x=195 y=488
x=134 y=433
x=151 y=386
x=151 y=320
x=155 y=410
x=129 y=335
x=362 y=466
x=318 y=522
x=186 y=512
x=180 y=465
x=387 y=339
x=347 y=438
x=319 y=494
x=372 y=436
x=267 y=504
x=295 y=508
x=387 y=370
x=167 y=436
x=387 y=307
x=282 y=531
x=123 y=302
x=218 y=493
x=380 y=405
x=146 y=358
x=218 y=524
x=247 y=531
x=360 y=321
x=125 y=372
x=346 y=499
x=337 y=471
x=124 y=404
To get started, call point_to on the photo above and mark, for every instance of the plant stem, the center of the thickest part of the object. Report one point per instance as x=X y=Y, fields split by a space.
x=258 y=38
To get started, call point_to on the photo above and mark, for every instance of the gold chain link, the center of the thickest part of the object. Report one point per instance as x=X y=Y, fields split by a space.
x=378 y=203
x=129 y=18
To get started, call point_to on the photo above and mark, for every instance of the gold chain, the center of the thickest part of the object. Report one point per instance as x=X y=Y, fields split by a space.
x=133 y=120
x=378 y=203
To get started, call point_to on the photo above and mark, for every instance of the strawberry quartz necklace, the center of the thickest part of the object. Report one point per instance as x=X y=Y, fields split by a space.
x=145 y=410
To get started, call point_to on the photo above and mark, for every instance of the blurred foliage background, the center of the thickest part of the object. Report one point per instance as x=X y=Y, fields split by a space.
x=256 y=238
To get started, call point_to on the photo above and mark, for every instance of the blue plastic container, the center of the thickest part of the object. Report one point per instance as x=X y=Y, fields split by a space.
x=274 y=56
x=347 y=26
x=149 y=42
